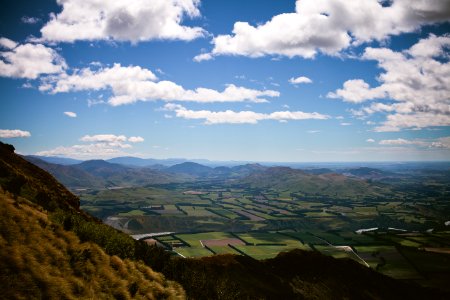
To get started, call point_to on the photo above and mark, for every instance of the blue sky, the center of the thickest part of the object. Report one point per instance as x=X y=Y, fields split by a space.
x=286 y=81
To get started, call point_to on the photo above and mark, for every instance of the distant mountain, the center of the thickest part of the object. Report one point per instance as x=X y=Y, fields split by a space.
x=332 y=185
x=57 y=160
x=190 y=168
x=146 y=162
x=319 y=171
x=100 y=174
x=133 y=161
x=101 y=168
x=69 y=175
x=368 y=173
x=247 y=169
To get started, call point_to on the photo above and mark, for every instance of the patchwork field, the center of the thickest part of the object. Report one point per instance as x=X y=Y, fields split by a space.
x=210 y=219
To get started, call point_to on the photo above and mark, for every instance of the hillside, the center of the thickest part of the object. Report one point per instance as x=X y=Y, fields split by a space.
x=22 y=178
x=97 y=174
x=41 y=260
x=298 y=181
x=190 y=168
x=38 y=259
x=68 y=175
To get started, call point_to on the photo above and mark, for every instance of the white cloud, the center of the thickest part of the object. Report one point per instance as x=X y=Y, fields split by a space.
x=346 y=124
x=96 y=146
x=299 y=80
x=370 y=140
x=133 y=84
x=442 y=142
x=202 y=57
x=417 y=80
x=29 y=60
x=328 y=26
x=240 y=117
x=14 y=133
x=88 y=151
x=313 y=131
x=131 y=20
x=70 y=114
x=356 y=91
x=30 y=20
x=7 y=43
x=135 y=139
x=108 y=138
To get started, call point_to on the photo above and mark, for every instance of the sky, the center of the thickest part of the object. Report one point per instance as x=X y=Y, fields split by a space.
x=269 y=81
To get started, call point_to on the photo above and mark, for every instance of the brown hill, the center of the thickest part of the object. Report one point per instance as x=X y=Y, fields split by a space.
x=298 y=181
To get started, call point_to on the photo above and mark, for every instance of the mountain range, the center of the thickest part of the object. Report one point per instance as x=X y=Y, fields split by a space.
x=95 y=174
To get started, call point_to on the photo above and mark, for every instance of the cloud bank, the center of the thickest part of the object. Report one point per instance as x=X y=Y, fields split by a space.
x=328 y=26
x=415 y=81
x=100 y=146
x=133 y=83
x=240 y=117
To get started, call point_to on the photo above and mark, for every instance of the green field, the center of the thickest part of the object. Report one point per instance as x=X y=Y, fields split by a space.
x=282 y=220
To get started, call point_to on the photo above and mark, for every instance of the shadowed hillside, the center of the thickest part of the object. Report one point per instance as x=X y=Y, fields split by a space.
x=39 y=259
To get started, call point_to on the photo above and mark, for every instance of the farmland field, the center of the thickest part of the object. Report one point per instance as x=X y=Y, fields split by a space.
x=210 y=219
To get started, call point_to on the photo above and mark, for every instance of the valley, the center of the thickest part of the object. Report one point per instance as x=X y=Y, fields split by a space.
x=392 y=221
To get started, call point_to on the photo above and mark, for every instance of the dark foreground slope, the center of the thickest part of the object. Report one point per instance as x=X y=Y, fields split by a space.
x=292 y=275
x=49 y=249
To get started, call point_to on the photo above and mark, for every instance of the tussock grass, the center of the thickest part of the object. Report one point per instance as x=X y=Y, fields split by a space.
x=39 y=259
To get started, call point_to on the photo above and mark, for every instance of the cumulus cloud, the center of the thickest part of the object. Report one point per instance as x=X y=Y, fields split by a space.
x=7 y=43
x=96 y=146
x=299 y=80
x=328 y=26
x=370 y=140
x=131 y=20
x=133 y=83
x=356 y=91
x=88 y=151
x=108 y=138
x=443 y=142
x=240 y=117
x=70 y=114
x=416 y=81
x=135 y=139
x=14 y=133
x=30 y=20
x=202 y=57
x=28 y=60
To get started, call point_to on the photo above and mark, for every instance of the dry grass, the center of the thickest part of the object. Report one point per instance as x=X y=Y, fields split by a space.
x=38 y=259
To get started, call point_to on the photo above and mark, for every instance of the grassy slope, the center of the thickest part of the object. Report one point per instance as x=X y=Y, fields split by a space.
x=41 y=255
x=39 y=259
